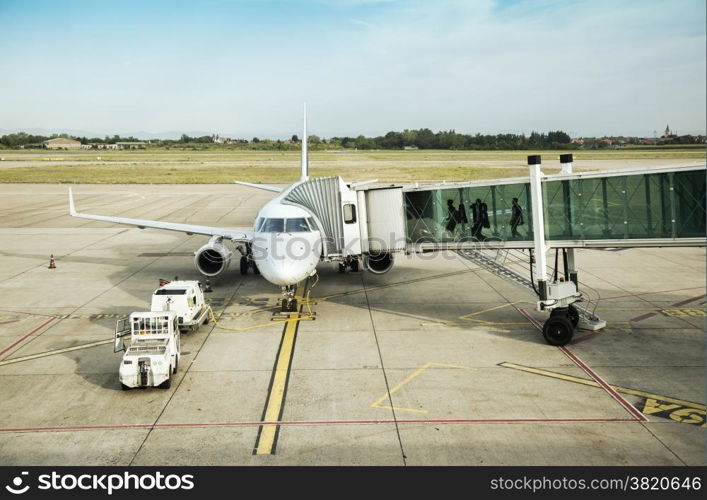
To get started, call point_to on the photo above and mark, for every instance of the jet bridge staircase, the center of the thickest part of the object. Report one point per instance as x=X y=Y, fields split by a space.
x=516 y=267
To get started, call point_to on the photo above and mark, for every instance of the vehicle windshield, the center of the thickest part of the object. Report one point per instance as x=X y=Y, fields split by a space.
x=171 y=291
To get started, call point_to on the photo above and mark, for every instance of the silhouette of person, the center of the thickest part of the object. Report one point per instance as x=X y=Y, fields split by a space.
x=451 y=219
x=516 y=218
x=479 y=211
x=462 y=214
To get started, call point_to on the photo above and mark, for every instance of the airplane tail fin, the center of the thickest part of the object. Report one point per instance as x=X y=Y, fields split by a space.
x=305 y=160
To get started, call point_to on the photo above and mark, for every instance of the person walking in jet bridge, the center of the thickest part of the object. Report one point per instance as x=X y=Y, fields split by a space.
x=462 y=218
x=479 y=212
x=452 y=216
x=516 y=218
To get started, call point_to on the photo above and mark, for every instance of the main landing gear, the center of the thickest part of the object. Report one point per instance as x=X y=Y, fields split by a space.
x=247 y=261
x=289 y=302
x=561 y=325
x=351 y=262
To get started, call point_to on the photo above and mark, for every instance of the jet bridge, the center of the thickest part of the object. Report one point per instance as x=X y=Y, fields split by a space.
x=662 y=206
x=650 y=207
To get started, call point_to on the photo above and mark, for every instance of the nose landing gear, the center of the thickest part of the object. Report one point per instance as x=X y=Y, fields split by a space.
x=289 y=302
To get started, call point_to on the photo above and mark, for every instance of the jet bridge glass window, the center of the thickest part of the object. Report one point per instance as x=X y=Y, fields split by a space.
x=298 y=225
x=349 y=213
x=273 y=226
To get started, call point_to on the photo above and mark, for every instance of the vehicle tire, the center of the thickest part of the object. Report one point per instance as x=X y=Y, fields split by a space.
x=244 y=265
x=124 y=387
x=167 y=383
x=354 y=266
x=176 y=364
x=256 y=271
x=342 y=268
x=558 y=330
x=573 y=315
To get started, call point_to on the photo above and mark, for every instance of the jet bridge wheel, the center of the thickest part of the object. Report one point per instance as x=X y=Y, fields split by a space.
x=558 y=329
x=573 y=315
x=570 y=312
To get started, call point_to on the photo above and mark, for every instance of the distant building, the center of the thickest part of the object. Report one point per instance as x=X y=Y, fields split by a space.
x=62 y=143
x=99 y=145
x=131 y=145
x=669 y=133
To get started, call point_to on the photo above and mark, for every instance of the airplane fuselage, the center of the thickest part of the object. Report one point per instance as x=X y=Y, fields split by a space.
x=287 y=245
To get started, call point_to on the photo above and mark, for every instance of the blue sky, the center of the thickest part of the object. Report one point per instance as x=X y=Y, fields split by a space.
x=243 y=68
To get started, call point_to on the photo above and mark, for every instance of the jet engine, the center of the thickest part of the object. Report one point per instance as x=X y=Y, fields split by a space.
x=378 y=263
x=213 y=258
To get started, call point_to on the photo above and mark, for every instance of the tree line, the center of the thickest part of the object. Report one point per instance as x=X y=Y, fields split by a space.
x=422 y=138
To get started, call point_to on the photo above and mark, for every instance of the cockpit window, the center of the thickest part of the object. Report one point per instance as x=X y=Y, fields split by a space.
x=297 y=226
x=259 y=223
x=273 y=226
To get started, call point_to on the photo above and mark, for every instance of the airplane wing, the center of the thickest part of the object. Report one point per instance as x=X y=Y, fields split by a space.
x=266 y=187
x=233 y=234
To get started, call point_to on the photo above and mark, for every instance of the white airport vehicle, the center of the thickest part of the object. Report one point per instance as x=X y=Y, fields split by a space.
x=153 y=354
x=186 y=298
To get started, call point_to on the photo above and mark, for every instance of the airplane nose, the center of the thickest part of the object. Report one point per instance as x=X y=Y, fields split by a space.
x=289 y=273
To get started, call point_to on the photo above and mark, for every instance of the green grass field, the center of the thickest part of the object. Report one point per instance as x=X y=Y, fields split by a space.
x=223 y=166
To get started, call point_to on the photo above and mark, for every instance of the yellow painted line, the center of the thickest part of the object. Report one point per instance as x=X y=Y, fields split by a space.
x=695 y=313
x=407 y=380
x=400 y=385
x=466 y=316
x=55 y=351
x=266 y=439
x=469 y=317
x=591 y=383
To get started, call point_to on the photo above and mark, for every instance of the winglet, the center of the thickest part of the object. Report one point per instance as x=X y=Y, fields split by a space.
x=72 y=207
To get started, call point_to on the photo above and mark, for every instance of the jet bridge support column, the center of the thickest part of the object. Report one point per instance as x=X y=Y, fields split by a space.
x=566 y=164
x=571 y=267
x=536 y=195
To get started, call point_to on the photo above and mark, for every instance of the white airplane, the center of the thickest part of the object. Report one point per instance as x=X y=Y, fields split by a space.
x=285 y=244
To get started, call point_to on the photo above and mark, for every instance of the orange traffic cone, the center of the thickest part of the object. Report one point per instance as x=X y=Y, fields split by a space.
x=52 y=264
x=207 y=288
